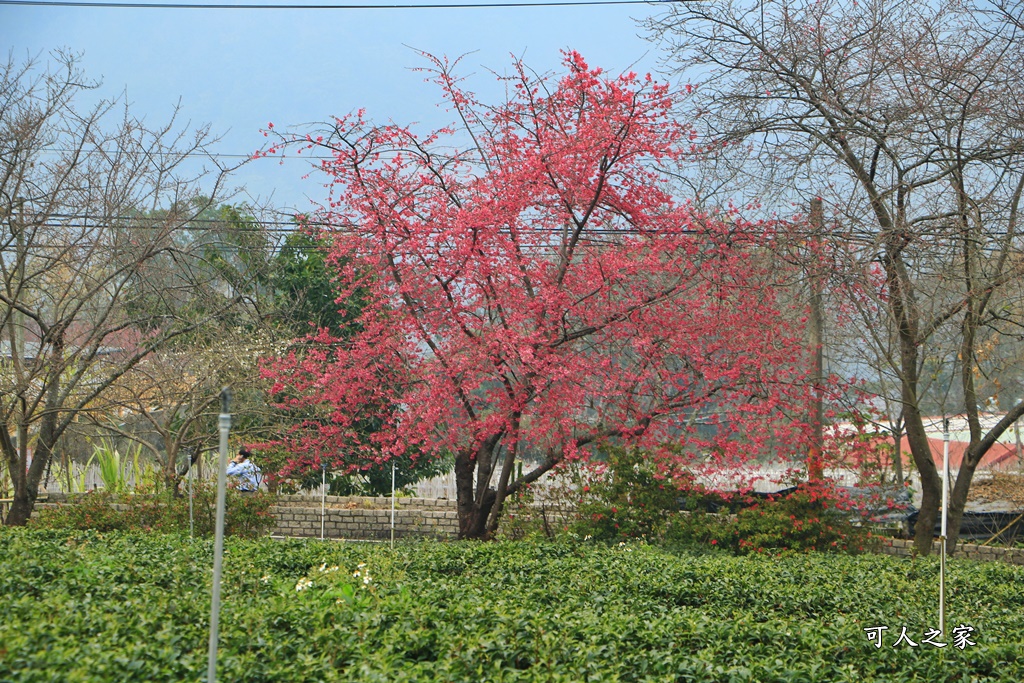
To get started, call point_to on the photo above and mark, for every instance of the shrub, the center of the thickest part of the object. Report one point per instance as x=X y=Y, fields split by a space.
x=246 y=514
x=529 y=516
x=810 y=518
x=633 y=501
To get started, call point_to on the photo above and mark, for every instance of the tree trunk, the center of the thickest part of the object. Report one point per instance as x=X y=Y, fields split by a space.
x=906 y=316
x=21 y=508
x=957 y=503
x=958 y=496
x=504 y=474
x=26 y=486
x=172 y=478
x=897 y=460
x=473 y=511
x=26 y=483
x=931 y=484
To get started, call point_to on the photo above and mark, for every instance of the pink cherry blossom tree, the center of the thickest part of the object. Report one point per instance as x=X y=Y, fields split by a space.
x=531 y=285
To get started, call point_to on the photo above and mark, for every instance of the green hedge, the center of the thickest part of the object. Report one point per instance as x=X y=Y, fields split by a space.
x=85 y=606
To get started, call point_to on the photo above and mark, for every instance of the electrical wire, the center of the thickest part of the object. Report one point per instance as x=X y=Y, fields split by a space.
x=289 y=226
x=400 y=6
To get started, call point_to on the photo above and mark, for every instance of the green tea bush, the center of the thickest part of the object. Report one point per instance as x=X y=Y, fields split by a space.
x=246 y=514
x=86 y=606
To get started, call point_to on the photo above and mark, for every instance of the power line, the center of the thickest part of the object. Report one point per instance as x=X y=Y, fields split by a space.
x=403 y=6
x=196 y=154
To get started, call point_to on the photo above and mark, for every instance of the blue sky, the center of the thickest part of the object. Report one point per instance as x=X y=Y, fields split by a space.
x=239 y=69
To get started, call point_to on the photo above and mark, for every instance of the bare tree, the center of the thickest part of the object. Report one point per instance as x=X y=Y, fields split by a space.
x=174 y=395
x=92 y=205
x=905 y=117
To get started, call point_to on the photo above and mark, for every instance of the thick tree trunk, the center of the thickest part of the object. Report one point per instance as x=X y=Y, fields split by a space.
x=920 y=448
x=26 y=484
x=27 y=479
x=958 y=501
x=931 y=483
x=21 y=508
x=473 y=506
x=906 y=317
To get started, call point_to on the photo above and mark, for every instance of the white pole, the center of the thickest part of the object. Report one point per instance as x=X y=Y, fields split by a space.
x=942 y=535
x=392 y=503
x=323 y=497
x=218 y=547
x=191 y=518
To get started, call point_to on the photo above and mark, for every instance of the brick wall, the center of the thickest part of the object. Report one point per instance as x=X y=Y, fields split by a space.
x=365 y=518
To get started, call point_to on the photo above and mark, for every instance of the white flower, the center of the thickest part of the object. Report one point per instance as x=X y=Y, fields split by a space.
x=265 y=579
x=303 y=584
x=323 y=567
x=367 y=580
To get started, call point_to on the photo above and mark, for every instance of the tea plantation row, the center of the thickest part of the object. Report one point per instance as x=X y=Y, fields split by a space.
x=80 y=606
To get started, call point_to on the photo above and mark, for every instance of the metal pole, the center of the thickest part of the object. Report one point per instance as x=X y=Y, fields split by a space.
x=942 y=535
x=323 y=497
x=218 y=548
x=191 y=517
x=392 y=503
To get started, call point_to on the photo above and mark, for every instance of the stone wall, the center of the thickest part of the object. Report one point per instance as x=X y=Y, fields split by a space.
x=905 y=548
x=365 y=518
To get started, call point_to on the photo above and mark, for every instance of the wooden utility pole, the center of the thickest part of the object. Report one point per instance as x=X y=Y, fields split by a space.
x=815 y=339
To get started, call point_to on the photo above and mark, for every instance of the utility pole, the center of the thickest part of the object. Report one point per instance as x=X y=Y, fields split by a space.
x=815 y=340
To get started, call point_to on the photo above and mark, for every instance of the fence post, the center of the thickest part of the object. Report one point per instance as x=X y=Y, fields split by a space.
x=323 y=497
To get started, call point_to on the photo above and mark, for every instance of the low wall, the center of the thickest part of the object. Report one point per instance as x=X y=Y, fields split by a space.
x=365 y=518
x=905 y=548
